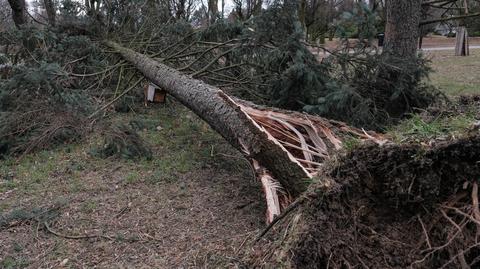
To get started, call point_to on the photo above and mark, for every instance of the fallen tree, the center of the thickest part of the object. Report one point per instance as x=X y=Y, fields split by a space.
x=284 y=146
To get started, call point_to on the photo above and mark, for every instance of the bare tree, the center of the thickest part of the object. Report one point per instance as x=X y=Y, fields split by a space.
x=182 y=9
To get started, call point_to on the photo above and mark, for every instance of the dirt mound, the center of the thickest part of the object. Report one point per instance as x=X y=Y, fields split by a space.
x=392 y=207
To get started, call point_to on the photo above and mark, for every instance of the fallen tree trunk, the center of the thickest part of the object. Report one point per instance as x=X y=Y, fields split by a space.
x=281 y=145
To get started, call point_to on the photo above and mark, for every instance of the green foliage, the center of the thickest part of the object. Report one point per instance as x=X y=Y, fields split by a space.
x=367 y=88
x=374 y=90
x=361 y=23
x=359 y=85
x=300 y=79
x=12 y=263
x=41 y=104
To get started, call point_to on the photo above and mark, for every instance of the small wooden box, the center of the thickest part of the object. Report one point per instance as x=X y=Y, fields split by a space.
x=154 y=94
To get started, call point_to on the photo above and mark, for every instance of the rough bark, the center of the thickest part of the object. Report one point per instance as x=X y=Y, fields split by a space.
x=402 y=27
x=224 y=116
x=212 y=11
x=50 y=9
x=18 y=12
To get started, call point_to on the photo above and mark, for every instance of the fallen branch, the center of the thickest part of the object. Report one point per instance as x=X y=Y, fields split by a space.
x=50 y=230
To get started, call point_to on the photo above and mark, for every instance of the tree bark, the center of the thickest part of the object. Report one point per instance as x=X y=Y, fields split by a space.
x=224 y=115
x=51 y=12
x=18 y=12
x=212 y=11
x=402 y=27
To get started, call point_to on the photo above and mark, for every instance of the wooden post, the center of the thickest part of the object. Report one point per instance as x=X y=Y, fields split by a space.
x=462 y=47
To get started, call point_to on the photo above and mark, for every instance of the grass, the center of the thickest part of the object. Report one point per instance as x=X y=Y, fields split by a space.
x=456 y=75
x=181 y=143
x=418 y=128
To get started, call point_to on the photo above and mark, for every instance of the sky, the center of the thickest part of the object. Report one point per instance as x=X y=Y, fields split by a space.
x=228 y=4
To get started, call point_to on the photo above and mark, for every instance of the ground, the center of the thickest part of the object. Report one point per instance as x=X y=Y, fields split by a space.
x=194 y=204
x=455 y=75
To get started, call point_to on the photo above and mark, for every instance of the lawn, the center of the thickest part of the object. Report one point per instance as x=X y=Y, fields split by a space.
x=456 y=75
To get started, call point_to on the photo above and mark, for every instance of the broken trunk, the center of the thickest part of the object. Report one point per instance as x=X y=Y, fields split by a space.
x=281 y=145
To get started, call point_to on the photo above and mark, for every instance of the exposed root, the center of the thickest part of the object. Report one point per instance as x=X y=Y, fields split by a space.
x=395 y=206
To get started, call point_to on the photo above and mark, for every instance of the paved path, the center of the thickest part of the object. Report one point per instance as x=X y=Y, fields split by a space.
x=449 y=48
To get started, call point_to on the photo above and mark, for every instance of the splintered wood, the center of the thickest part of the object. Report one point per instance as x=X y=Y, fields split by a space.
x=285 y=148
x=308 y=140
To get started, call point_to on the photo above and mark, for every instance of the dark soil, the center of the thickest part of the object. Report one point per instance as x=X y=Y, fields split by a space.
x=393 y=207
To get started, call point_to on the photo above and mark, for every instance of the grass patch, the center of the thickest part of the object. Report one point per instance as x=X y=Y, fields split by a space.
x=180 y=142
x=456 y=75
x=418 y=129
x=13 y=263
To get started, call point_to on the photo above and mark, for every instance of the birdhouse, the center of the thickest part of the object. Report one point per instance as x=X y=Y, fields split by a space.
x=154 y=94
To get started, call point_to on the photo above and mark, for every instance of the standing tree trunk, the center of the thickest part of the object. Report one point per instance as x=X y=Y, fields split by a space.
x=281 y=145
x=462 y=47
x=51 y=12
x=302 y=16
x=402 y=27
x=18 y=12
x=257 y=7
x=212 y=11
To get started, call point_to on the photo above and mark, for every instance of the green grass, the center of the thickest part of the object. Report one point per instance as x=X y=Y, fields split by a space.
x=456 y=75
x=179 y=140
x=13 y=263
x=418 y=129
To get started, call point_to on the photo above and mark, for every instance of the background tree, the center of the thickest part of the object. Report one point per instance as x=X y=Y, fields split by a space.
x=5 y=16
x=212 y=11
x=51 y=11
x=245 y=9
x=18 y=12
x=402 y=27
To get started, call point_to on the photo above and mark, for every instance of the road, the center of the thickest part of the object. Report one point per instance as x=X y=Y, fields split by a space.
x=449 y=48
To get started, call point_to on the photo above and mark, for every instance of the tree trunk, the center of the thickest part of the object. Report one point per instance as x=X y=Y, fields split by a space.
x=212 y=11
x=281 y=145
x=461 y=43
x=51 y=12
x=402 y=27
x=18 y=12
x=302 y=10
